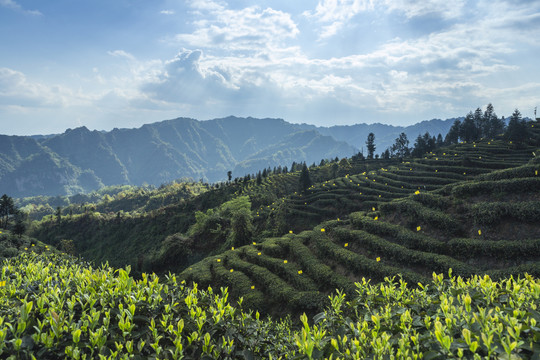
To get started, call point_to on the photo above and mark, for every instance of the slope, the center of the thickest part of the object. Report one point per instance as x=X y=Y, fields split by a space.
x=414 y=215
x=468 y=208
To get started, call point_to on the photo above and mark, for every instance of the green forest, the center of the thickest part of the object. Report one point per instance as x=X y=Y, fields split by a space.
x=429 y=251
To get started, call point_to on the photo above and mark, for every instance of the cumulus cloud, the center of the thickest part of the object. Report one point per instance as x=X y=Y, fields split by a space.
x=17 y=91
x=182 y=80
x=255 y=61
x=247 y=29
x=248 y=60
x=337 y=13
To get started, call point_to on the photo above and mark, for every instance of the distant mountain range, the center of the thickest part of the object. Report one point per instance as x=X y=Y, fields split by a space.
x=80 y=160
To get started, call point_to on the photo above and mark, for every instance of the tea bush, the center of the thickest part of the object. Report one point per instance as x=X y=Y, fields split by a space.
x=53 y=306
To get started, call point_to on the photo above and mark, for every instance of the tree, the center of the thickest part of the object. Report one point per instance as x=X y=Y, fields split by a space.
x=334 y=168
x=58 y=214
x=259 y=178
x=488 y=119
x=494 y=125
x=517 y=129
x=20 y=226
x=7 y=209
x=358 y=156
x=238 y=210
x=468 y=130
x=370 y=144
x=229 y=175
x=440 y=141
x=304 y=181
x=401 y=146
x=453 y=134
x=423 y=144
x=479 y=122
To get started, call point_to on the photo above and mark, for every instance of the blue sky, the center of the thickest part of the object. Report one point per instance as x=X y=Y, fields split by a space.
x=107 y=64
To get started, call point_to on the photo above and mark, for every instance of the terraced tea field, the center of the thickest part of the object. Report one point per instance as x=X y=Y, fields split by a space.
x=474 y=208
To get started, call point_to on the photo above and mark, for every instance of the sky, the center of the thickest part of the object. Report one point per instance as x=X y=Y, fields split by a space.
x=123 y=63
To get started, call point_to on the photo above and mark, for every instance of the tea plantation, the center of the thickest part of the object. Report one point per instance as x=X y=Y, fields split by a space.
x=431 y=214
x=52 y=306
x=358 y=256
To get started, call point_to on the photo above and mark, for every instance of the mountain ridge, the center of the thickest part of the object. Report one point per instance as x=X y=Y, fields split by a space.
x=164 y=151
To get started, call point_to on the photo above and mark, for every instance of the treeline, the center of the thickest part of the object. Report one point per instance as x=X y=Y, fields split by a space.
x=121 y=198
x=475 y=126
x=11 y=217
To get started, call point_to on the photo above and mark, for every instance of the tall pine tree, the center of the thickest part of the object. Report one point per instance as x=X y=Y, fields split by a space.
x=305 y=180
x=370 y=144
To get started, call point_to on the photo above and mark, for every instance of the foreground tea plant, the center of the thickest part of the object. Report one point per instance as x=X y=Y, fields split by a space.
x=52 y=306
x=475 y=318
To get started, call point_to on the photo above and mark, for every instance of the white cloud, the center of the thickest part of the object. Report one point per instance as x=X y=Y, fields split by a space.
x=182 y=80
x=207 y=5
x=398 y=75
x=121 y=54
x=17 y=91
x=255 y=61
x=10 y=4
x=249 y=57
x=248 y=29
x=336 y=13
x=167 y=12
x=446 y=9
